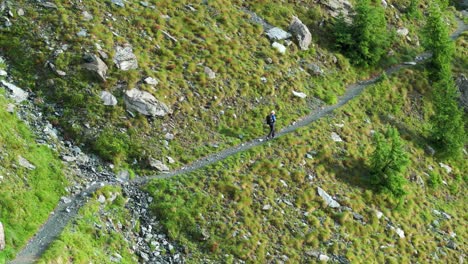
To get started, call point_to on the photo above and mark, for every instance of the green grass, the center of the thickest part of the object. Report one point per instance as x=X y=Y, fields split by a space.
x=90 y=239
x=26 y=196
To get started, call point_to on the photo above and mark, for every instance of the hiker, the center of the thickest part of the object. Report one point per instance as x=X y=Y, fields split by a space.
x=270 y=120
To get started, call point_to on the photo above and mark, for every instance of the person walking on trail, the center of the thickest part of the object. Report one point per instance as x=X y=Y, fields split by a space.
x=271 y=120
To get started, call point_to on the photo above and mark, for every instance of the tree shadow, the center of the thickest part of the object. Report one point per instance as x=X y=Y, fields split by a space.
x=354 y=172
x=406 y=132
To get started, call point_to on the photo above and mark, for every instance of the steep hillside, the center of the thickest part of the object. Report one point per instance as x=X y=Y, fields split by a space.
x=154 y=87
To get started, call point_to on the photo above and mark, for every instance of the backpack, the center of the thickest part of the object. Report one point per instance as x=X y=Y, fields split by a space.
x=269 y=119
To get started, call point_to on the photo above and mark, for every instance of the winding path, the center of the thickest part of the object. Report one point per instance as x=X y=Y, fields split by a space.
x=64 y=213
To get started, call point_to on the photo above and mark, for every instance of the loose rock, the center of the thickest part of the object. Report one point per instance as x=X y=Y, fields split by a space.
x=96 y=65
x=335 y=137
x=124 y=58
x=276 y=34
x=145 y=103
x=210 y=73
x=25 y=163
x=327 y=198
x=17 y=94
x=151 y=81
x=301 y=33
x=157 y=164
x=299 y=94
x=279 y=47
x=108 y=99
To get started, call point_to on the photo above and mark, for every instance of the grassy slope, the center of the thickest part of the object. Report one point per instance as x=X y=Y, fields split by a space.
x=226 y=200
x=92 y=238
x=26 y=196
x=217 y=35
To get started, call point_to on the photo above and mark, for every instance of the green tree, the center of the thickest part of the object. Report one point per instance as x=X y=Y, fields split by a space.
x=365 y=40
x=436 y=40
x=447 y=125
x=389 y=162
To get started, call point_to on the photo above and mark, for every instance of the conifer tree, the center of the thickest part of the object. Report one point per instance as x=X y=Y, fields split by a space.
x=389 y=162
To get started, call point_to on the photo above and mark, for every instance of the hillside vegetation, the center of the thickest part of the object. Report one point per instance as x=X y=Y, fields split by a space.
x=391 y=163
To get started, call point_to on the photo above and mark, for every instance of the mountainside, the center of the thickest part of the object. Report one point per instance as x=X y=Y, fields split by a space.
x=144 y=122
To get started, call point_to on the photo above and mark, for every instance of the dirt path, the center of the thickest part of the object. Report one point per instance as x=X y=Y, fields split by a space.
x=64 y=213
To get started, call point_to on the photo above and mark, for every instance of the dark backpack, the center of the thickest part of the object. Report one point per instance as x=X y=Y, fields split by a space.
x=269 y=119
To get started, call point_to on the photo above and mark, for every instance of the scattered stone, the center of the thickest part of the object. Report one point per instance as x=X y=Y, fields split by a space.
x=279 y=47
x=170 y=160
x=399 y=232
x=17 y=94
x=116 y=257
x=96 y=65
x=10 y=108
x=314 y=69
x=358 y=217
x=447 y=168
x=335 y=137
x=323 y=258
x=157 y=164
x=210 y=73
x=2 y=237
x=327 y=198
x=144 y=256
x=299 y=94
x=169 y=136
x=151 y=81
x=118 y=3
x=452 y=245
x=430 y=150
x=145 y=103
x=65 y=200
x=338 y=6
x=108 y=99
x=101 y=199
x=411 y=63
x=402 y=32
x=20 y=12
x=48 y=5
x=378 y=214
x=169 y=36
x=82 y=33
x=25 y=163
x=67 y=158
x=266 y=207
x=124 y=58
x=462 y=84
x=301 y=33
x=87 y=16
x=276 y=34
x=384 y=4
x=3 y=73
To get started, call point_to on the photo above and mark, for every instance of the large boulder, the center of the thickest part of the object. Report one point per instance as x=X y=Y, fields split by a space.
x=301 y=33
x=124 y=58
x=336 y=7
x=462 y=83
x=2 y=237
x=145 y=103
x=96 y=65
x=17 y=94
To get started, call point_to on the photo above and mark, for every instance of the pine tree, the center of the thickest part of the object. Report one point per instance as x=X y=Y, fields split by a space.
x=388 y=163
x=366 y=39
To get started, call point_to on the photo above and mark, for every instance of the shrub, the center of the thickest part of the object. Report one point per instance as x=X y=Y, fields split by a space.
x=388 y=163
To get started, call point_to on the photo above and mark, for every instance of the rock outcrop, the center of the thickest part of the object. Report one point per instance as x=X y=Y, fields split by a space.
x=145 y=103
x=16 y=93
x=327 y=198
x=95 y=65
x=275 y=34
x=301 y=33
x=338 y=6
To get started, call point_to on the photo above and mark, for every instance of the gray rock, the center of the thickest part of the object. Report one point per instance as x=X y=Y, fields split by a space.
x=314 y=69
x=378 y=214
x=447 y=168
x=65 y=200
x=10 y=108
x=123 y=175
x=323 y=258
x=17 y=94
x=276 y=34
x=82 y=33
x=151 y=81
x=266 y=207
x=170 y=160
x=410 y=63
x=299 y=94
x=20 y=12
x=402 y=32
x=87 y=16
x=101 y=199
x=68 y=158
x=145 y=103
x=358 y=217
x=301 y=33
x=279 y=47
x=337 y=6
x=452 y=245
x=3 y=73
x=430 y=150
x=210 y=73
x=157 y=164
x=118 y=3
x=327 y=198
x=2 y=237
x=96 y=65
x=335 y=137
x=124 y=58
x=462 y=84
x=108 y=99
x=25 y=163
x=48 y=5
x=169 y=136
x=384 y=3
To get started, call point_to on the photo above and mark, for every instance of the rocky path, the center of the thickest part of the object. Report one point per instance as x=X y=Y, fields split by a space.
x=66 y=211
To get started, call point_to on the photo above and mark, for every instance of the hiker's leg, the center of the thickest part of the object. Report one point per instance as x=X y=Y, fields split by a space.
x=273 y=130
